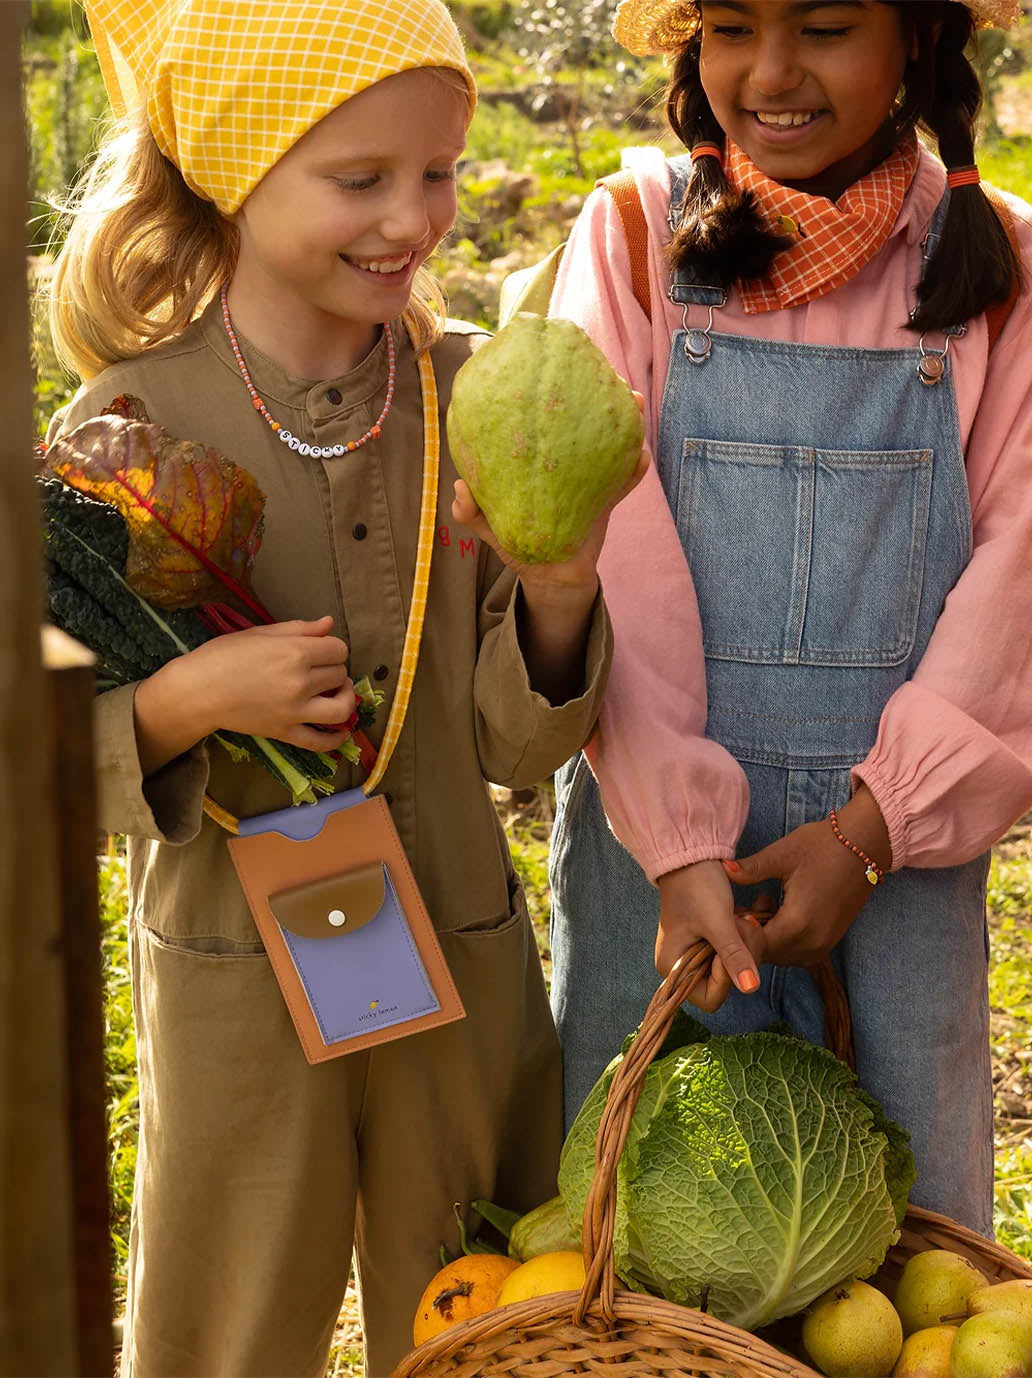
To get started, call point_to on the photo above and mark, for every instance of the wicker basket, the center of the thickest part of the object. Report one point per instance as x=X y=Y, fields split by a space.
x=925 y=1230
x=623 y=1334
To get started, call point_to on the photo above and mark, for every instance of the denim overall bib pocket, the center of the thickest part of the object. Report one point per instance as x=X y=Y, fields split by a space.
x=821 y=499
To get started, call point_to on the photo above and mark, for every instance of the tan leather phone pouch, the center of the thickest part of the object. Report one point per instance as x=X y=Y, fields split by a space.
x=344 y=924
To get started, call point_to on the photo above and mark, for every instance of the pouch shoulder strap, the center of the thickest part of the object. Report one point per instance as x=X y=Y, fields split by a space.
x=624 y=191
x=997 y=316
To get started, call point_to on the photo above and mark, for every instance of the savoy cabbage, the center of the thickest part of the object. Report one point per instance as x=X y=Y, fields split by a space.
x=755 y=1175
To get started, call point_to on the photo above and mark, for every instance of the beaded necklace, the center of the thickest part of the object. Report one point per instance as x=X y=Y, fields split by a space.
x=301 y=446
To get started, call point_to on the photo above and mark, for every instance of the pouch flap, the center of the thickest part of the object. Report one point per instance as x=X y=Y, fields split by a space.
x=331 y=906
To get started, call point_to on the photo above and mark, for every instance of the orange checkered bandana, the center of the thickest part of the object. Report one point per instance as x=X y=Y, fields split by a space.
x=832 y=240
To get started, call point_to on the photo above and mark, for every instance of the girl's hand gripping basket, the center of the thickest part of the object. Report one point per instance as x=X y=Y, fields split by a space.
x=624 y=1333
x=632 y=1335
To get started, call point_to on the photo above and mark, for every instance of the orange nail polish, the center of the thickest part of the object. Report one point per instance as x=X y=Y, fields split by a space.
x=731 y=866
x=748 y=982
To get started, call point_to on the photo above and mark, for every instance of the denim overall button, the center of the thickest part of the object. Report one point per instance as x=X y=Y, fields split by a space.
x=697 y=345
x=931 y=369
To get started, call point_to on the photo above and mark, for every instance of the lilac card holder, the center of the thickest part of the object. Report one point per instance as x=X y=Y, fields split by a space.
x=353 y=952
x=348 y=935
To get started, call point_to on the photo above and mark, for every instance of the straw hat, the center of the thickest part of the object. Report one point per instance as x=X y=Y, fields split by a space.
x=662 y=26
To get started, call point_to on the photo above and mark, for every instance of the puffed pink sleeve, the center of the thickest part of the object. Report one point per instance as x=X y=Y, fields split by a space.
x=952 y=765
x=671 y=795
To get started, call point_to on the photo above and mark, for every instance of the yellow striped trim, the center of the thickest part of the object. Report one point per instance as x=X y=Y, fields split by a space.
x=424 y=553
x=221 y=816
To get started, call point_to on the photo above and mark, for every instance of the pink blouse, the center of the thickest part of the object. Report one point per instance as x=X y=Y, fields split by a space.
x=952 y=765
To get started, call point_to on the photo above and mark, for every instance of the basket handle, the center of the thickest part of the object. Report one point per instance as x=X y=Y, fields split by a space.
x=625 y=1089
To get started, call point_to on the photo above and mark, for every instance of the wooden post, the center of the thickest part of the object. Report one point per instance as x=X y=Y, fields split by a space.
x=69 y=671
x=45 y=1331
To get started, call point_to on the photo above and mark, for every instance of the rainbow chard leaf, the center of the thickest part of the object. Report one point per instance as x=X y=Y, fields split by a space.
x=194 y=517
x=128 y=406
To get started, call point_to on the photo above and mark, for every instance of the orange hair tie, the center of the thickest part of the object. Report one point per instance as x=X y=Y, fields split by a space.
x=963 y=176
x=708 y=151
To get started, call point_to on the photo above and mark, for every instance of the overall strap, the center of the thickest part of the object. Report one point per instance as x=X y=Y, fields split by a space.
x=624 y=191
x=686 y=289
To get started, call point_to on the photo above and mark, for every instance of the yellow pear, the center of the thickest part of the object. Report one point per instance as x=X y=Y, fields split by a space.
x=853 y=1331
x=1014 y=1296
x=926 y=1353
x=996 y=1344
x=935 y=1284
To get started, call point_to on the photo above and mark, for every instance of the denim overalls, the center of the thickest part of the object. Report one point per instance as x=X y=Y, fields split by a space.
x=821 y=499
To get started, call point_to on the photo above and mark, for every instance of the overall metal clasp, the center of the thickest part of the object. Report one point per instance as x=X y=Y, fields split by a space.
x=697 y=342
x=932 y=364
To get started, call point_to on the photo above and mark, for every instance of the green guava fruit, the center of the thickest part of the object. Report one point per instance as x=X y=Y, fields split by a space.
x=545 y=433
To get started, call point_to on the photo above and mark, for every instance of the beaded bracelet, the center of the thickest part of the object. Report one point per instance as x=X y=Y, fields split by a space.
x=872 y=871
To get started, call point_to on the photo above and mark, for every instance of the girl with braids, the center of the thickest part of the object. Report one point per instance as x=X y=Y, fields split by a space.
x=819 y=719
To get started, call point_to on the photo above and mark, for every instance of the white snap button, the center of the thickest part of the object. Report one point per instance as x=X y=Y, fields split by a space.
x=337 y=917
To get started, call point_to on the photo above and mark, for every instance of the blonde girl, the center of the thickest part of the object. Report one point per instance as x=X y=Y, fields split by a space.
x=248 y=262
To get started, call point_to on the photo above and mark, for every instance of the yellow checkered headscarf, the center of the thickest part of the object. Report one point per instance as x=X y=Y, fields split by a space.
x=230 y=85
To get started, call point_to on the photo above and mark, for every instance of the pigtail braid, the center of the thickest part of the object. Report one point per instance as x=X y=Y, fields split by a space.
x=973 y=265
x=722 y=235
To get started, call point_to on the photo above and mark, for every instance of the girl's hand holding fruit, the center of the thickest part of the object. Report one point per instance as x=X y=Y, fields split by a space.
x=547 y=439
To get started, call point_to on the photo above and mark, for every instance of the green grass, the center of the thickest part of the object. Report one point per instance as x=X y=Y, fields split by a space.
x=120 y=1052
x=1014 y=1197
x=1010 y=997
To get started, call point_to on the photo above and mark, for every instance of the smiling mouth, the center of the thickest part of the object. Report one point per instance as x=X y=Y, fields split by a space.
x=385 y=266
x=785 y=119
